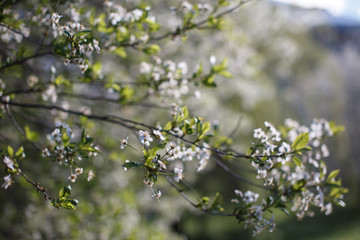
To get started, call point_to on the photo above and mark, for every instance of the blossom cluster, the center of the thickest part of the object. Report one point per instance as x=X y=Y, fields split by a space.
x=298 y=155
x=160 y=160
x=252 y=213
x=9 y=34
x=81 y=45
x=120 y=14
x=67 y=153
x=182 y=153
x=168 y=77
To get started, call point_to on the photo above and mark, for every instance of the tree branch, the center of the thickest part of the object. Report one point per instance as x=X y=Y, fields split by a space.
x=195 y=205
x=23 y=60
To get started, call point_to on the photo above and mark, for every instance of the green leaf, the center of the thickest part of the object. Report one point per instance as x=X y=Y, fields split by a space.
x=184 y=114
x=64 y=193
x=10 y=150
x=198 y=72
x=31 y=135
x=223 y=3
x=336 y=128
x=226 y=74
x=168 y=126
x=209 y=81
x=82 y=33
x=120 y=51
x=205 y=128
x=204 y=200
x=19 y=151
x=132 y=165
x=333 y=175
x=126 y=93
x=297 y=161
x=151 y=50
x=215 y=202
x=69 y=204
x=300 y=141
x=89 y=149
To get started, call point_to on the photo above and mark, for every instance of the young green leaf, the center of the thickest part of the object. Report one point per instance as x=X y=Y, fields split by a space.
x=300 y=141
x=10 y=150
x=333 y=175
x=297 y=161
x=132 y=165
x=64 y=193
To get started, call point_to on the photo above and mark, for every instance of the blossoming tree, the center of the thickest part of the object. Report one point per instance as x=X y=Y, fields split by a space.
x=87 y=85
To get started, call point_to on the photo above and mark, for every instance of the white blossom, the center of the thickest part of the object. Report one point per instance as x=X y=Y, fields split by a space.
x=145 y=138
x=158 y=134
x=124 y=143
x=9 y=163
x=8 y=182
x=90 y=175
x=157 y=195
x=79 y=171
x=178 y=174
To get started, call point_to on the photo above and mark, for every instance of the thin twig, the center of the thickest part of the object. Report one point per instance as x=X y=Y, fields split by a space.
x=237 y=176
x=195 y=205
x=125 y=123
x=18 y=128
x=36 y=185
x=21 y=61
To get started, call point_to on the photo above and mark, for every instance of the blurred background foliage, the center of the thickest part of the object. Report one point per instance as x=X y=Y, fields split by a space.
x=283 y=65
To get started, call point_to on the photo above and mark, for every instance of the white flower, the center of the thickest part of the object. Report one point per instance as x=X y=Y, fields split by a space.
x=157 y=195
x=9 y=163
x=55 y=20
x=7 y=182
x=188 y=154
x=259 y=133
x=284 y=148
x=158 y=134
x=124 y=142
x=325 y=150
x=202 y=164
x=145 y=138
x=145 y=67
x=79 y=171
x=148 y=182
x=45 y=152
x=72 y=177
x=137 y=14
x=250 y=197
x=96 y=45
x=50 y=93
x=162 y=165
x=90 y=175
x=183 y=67
x=56 y=135
x=328 y=209
x=261 y=173
x=178 y=174
x=238 y=192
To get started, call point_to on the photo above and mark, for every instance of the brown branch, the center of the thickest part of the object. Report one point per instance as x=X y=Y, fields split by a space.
x=23 y=60
x=18 y=128
x=112 y=100
x=237 y=176
x=181 y=30
x=125 y=123
x=18 y=32
x=36 y=185
x=195 y=205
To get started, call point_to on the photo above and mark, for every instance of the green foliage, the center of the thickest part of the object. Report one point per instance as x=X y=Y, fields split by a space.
x=300 y=142
x=64 y=200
